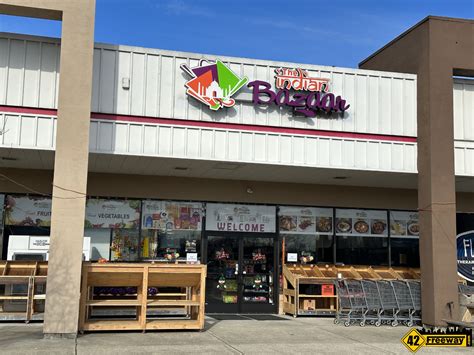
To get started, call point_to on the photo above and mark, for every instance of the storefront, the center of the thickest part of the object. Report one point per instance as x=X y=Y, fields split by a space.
x=243 y=245
x=243 y=165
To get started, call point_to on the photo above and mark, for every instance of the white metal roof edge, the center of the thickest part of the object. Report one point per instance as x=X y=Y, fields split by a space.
x=238 y=60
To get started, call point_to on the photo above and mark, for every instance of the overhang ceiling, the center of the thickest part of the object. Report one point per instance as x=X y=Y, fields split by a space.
x=140 y=165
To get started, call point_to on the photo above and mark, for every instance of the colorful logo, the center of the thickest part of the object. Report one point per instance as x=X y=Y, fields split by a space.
x=213 y=83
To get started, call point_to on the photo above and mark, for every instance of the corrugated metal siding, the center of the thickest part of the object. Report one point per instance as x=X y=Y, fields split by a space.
x=251 y=147
x=27 y=131
x=139 y=139
x=381 y=102
x=463 y=106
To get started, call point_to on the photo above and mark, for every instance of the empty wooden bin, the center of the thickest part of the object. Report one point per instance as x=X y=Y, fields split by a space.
x=160 y=296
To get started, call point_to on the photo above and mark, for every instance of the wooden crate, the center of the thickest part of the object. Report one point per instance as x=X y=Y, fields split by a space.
x=189 y=296
x=24 y=290
x=295 y=277
x=297 y=301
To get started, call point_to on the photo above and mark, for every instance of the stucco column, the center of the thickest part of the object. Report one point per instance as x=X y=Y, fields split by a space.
x=70 y=172
x=71 y=157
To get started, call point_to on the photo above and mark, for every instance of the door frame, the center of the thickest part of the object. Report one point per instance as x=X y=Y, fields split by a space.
x=240 y=236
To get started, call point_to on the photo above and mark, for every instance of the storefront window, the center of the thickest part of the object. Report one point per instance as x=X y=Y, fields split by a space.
x=404 y=238
x=113 y=226
x=361 y=237
x=171 y=230
x=25 y=216
x=307 y=233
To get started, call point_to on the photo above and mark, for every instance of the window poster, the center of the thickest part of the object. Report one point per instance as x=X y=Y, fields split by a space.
x=117 y=214
x=172 y=215
x=369 y=223
x=240 y=218
x=404 y=224
x=27 y=211
x=305 y=220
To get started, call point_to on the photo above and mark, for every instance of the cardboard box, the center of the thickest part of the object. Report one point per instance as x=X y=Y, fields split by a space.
x=327 y=290
x=309 y=305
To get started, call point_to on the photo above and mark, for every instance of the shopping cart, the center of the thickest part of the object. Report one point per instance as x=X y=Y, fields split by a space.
x=415 y=292
x=357 y=301
x=374 y=308
x=389 y=303
x=406 y=308
x=344 y=303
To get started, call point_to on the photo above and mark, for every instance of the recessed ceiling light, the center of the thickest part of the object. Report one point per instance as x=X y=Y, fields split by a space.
x=227 y=166
x=181 y=168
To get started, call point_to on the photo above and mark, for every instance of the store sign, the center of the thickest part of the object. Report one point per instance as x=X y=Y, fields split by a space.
x=240 y=218
x=292 y=257
x=465 y=251
x=305 y=220
x=39 y=243
x=370 y=223
x=404 y=224
x=28 y=211
x=112 y=213
x=306 y=95
x=213 y=83
x=465 y=245
x=171 y=215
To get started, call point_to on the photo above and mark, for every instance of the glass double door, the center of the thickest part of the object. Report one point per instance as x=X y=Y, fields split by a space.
x=241 y=273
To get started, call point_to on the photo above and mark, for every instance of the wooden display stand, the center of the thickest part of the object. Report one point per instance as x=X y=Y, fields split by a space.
x=297 y=278
x=188 y=279
x=24 y=290
x=307 y=290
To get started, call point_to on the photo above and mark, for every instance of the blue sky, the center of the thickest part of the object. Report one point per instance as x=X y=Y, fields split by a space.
x=331 y=32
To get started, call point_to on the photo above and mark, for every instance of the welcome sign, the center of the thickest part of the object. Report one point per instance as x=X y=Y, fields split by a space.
x=240 y=218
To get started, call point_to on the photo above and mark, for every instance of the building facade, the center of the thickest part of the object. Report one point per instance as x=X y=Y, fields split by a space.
x=211 y=157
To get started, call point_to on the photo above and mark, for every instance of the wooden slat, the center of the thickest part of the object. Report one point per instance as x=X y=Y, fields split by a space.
x=173 y=303
x=112 y=325
x=113 y=303
x=173 y=324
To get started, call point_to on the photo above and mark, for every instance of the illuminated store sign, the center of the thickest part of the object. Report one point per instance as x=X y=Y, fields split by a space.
x=311 y=94
x=214 y=84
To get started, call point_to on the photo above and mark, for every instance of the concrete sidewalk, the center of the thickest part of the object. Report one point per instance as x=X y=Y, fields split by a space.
x=224 y=335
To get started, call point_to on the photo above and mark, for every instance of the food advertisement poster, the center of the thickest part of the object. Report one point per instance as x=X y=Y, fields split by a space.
x=28 y=211
x=240 y=218
x=112 y=213
x=404 y=224
x=305 y=220
x=371 y=223
x=171 y=215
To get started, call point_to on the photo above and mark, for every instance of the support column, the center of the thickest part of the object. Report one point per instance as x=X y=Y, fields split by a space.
x=70 y=171
x=72 y=154
x=435 y=49
x=437 y=197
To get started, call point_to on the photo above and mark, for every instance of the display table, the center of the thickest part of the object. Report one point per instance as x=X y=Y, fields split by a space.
x=150 y=290
x=309 y=289
x=24 y=290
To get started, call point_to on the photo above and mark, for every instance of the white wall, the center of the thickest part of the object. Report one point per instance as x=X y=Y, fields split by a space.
x=381 y=102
